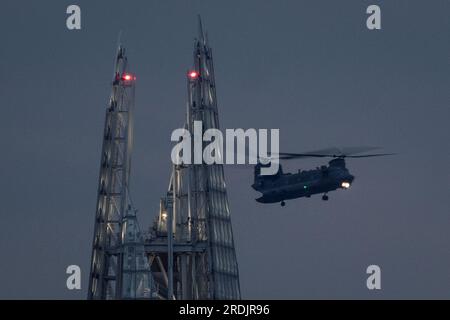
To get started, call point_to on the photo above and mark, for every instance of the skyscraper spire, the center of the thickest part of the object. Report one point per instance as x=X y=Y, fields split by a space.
x=195 y=213
x=207 y=193
x=105 y=280
x=201 y=35
x=190 y=252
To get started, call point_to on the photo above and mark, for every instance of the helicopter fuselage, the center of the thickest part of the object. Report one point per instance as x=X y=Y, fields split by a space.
x=285 y=186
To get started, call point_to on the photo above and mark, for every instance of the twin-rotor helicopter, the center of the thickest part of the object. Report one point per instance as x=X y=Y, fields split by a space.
x=305 y=183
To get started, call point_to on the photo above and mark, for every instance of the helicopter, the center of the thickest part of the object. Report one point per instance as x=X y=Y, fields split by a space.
x=305 y=183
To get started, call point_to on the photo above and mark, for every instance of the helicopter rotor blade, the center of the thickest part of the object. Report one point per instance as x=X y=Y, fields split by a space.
x=298 y=156
x=341 y=150
x=289 y=156
x=371 y=155
x=354 y=150
x=345 y=152
x=333 y=152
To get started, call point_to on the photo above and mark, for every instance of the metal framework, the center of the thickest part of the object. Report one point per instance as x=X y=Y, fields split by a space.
x=117 y=268
x=137 y=281
x=192 y=239
x=189 y=253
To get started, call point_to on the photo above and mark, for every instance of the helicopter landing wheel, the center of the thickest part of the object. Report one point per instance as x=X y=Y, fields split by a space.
x=283 y=203
x=325 y=197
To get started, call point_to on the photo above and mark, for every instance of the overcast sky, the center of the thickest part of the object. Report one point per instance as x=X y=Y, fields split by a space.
x=310 y=68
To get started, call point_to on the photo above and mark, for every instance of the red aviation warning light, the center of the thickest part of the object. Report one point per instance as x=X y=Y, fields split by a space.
x=193 y=75
x=128 y=77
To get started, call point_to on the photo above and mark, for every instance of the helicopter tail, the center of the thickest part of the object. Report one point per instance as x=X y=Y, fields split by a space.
x=259 y=180
x=257 y=172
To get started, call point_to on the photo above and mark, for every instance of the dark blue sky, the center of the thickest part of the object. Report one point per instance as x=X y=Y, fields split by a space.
x=310 y=68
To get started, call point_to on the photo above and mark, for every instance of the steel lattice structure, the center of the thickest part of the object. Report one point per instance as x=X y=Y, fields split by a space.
x=189 y=253
x=196 y=257
x=118 y=262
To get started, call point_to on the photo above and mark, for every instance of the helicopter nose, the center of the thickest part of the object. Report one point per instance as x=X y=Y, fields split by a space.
x=347 y=181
